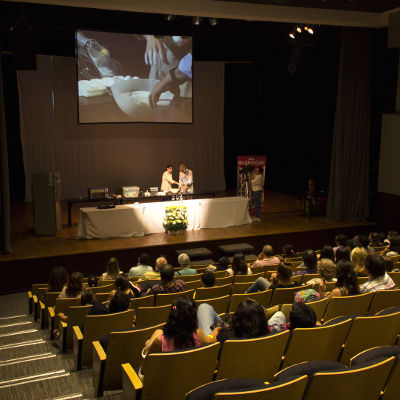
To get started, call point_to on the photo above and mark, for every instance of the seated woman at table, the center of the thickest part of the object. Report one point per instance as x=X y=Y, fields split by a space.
x=113 y=270
x=239 y=266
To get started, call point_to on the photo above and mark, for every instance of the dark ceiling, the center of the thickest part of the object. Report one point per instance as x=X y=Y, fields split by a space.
x=376 y=6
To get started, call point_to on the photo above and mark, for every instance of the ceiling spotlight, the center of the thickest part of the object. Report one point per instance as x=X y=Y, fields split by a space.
x=298 y=29
x=196 y=20
x=213 y=21
x=292 y=35
x=170 y=17
x=310 y=31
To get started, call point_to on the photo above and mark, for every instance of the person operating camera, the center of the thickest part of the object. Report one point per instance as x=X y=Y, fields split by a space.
x=257 y=186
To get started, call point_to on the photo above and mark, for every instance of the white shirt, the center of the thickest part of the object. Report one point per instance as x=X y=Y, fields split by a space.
x=186 y=178
x=166 y=181
x=257 y=183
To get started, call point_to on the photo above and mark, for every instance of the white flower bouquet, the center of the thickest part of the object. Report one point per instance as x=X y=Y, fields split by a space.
x=175 y=218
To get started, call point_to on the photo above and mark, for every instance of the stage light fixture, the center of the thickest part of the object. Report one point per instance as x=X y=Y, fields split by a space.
x=196 y=20
x=213 y=21
x=292 y=35
x=310 y=31
x=170 y=17
x=298 y=29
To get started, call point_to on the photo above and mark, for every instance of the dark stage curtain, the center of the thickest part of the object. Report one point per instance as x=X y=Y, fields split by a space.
x=5 y=245
x=349 y=176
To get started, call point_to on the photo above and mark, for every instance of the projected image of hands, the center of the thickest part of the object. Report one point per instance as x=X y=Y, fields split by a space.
x=134 y=78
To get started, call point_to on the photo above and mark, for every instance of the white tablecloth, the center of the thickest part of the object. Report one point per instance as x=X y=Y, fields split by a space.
x=139 y=219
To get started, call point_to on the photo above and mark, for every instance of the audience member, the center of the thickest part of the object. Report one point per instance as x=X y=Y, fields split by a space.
x=119 y=302
x=326 y=269
x=98 y=308
x=92 y=280
x=340 y=241
x=352 y=244
x=389 y=263
x=342 y=254
x=239 y=266
x=168 y=284
x=221 y=265
x=247 y=322
x=266 y=257
x=310 y=261
x=374 y=240
x=393 y=248
x=142 y=267
x=155 y=274
x=74 y=287
x=208 y=278
x=123 y=285
x=180 y=332
x=379 y=279
x=346 y=284
x=57 y=279
x=288 y=251
x=327 y=252
x=113 y=270
x=279 y=279
x=389 y=237
x=357 y=257
x=184 y=263
x=364 y=241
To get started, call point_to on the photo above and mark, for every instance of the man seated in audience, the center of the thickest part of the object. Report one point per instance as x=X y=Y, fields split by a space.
x=379 y=279
x=310 y=261
x=184 y=263
x=279 y=279
x=142 y=267
x=155 y=274
x=266 y=257
x=364 y=241
x=340 y=241
x=208 y=278
x=168 y=284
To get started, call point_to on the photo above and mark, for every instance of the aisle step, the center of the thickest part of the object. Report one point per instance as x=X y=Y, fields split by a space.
x=20 y=368
x=73 y=396
x=49 y=386
x=19 y=336
x=16 y=326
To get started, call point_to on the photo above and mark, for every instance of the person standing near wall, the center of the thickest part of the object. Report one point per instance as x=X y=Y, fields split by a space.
x=257 y=186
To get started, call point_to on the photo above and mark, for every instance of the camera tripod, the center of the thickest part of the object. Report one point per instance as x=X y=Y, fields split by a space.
x=244 y=189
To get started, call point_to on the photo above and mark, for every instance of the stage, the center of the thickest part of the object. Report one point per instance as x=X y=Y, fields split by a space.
x=34 y=256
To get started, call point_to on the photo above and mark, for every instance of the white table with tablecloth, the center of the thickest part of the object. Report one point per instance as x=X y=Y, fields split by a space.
x=145 y=218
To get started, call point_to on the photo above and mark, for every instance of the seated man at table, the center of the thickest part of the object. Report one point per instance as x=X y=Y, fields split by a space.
x=168 y=283
x=142 y=266
x=184 y=263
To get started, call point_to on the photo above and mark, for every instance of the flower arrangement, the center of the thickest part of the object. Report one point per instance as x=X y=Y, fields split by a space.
x=175 y=219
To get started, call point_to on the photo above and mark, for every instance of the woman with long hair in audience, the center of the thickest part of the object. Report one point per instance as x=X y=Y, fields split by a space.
x=346 y=284
x=113 y=270
x=57 y=279
x=74 y=287
x=327 y=252
x=326 y=269
x=357 y=258
x=374 y=239
x=248 y=321
x=179 y=333
x=123 y=285
x=239 y=266
x=342 y=254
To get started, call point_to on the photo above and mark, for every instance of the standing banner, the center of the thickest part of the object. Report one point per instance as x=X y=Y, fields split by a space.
x=245 y=165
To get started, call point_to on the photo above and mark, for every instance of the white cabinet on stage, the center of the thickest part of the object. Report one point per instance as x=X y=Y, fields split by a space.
x=46 y=195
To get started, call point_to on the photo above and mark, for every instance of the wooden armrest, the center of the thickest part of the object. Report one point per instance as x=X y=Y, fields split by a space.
x=63 y=326
x=99 y=366
x=30 y=302
x=78 y=343
x=52 y=317
x=35 y=307
x=42 y=307
x=131 y=383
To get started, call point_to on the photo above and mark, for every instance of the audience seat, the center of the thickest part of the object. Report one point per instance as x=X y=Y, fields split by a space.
x=220 y=304
x=167 y=298
x=252 y=358
x=189 y=278
x=48 y=300
x=240 y=287
x=212 y=292
x=384 y=299
x=95 y=327
x=348 y=305
x=123 y=347
x=151 y=316
x=61 y=306
x=318 y=343
x=223 y=281
x=248 y=278
x=262 y=298
x=364 y=383
x=146 y=301
x=396 y=277
x=162 y=379
x=194 y=285
x=368 y=332
x=286 y=295
x=36 y=287
x=319 y=307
